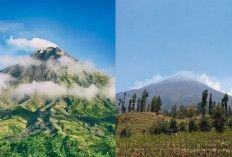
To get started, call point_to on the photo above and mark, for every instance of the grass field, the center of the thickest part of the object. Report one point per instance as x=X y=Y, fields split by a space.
x=183 y=144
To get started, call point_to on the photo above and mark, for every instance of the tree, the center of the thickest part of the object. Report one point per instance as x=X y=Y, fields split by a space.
x=159 y=104
x=173 y=126
x=124 y=95
x=153 y=104
x=225 y=100
x=156 y=104
x=199 y=110
x=182 y=112
x=219 y=119
x=204 y=101
x=191 y=111
x=182 y=126
x=174 y=111
x=129 y=106
x=143 y=100
x=192 y=125
x=204 y=124
x=210 y=104
x=148 y=107
x=123 y=107
x=214 y=103
x=133 y=100
x=138 y=104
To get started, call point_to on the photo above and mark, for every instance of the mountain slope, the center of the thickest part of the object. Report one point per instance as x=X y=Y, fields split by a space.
x=176 y=90
x=50 y=93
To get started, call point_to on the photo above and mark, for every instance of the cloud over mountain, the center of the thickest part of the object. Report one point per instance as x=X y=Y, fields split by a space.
x=29 y=45
x=211 y=81
x=52 y=90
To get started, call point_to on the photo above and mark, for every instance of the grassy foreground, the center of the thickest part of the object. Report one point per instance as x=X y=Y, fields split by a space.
x=141 y=143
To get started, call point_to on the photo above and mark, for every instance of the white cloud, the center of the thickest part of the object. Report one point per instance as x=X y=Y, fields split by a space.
x=156 y=78
x=53 y=90
x=22 y=60
x=5 y=79
x=109 y=90
x=204 y=78
x=6 y=26
x=213 y=82
x=230 y=92
x=89 y=63
x=29 y=45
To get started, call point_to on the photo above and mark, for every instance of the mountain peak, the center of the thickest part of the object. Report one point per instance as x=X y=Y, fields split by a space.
x=181 y=78
x=49 y=52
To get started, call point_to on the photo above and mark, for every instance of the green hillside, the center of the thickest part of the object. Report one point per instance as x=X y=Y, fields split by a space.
x=56 y=101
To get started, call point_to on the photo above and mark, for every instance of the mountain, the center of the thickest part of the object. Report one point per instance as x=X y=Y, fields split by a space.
x=52 y=93
x=175 y=90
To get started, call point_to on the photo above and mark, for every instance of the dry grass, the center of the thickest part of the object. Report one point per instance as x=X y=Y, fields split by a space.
x=182 y=144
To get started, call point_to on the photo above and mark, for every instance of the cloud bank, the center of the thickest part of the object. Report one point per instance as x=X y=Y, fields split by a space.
x=109 y=90
x=22 y=60
x=5 y=79
x=210 y=81
x=52 y=90
x=29 y=45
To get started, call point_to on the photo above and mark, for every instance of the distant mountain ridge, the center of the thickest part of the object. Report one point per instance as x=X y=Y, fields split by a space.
x=176 y=90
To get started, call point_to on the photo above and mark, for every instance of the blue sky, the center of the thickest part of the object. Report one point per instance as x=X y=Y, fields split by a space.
x=83 y=28
x=156 y=39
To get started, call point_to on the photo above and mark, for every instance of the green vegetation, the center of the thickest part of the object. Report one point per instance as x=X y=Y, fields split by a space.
x=182 y=131
x=37 y=125
x=57 y=145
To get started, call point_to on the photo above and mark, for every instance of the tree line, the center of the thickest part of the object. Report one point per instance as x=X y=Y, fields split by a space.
x=206 y=106
x=140 y=104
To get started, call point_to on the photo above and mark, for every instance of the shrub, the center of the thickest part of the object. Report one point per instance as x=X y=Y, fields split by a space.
x=182 y=126
x=165 y=128
x=219 y=119
x=173 y=126
x=204 y=124
x=192 y=125
x=156 y=128
x=125 y=133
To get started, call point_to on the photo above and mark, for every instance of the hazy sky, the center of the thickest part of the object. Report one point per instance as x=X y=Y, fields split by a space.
x=156 y=39
x=83 y=28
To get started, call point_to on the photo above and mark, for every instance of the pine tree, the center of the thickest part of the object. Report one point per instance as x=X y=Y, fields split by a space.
x=148 y=107
x=123 y=108
x=129 y=106
x=159 y=104
x=199 y=110
x=133 y=100
x=204 y=101
x=174 y=111
x=214 y=103
x=153 y=104
x=225 y=101
x=138 y=104
x=143 y=100
x=210 y=104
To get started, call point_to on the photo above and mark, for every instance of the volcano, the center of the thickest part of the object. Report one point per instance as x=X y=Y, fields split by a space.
x=53 y=93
